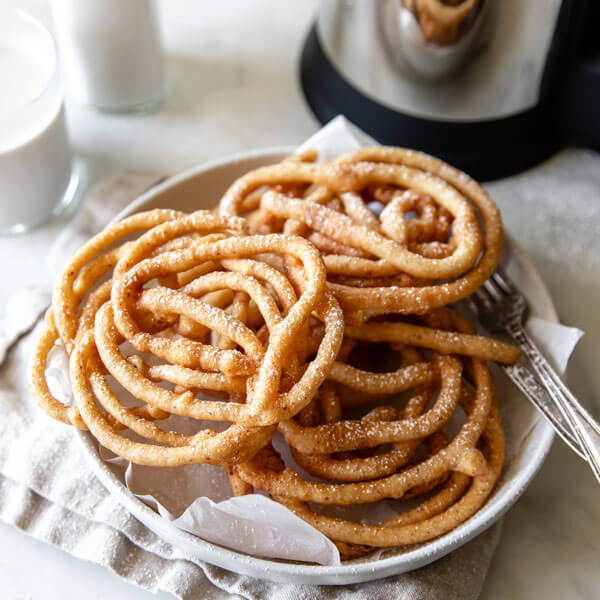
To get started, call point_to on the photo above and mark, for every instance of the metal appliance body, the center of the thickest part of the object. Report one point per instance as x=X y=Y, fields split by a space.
x=486 y=102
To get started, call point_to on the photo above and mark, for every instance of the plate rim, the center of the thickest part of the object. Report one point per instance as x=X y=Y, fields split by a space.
x=290 y=572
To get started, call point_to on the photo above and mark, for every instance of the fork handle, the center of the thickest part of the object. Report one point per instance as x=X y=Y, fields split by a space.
x=528 y=383
x=584 y=426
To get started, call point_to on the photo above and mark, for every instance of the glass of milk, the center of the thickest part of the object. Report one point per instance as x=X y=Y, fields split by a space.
x=37 y=180
x=112 y=53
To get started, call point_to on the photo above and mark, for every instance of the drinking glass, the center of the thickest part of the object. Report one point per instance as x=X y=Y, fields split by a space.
x=37 y=178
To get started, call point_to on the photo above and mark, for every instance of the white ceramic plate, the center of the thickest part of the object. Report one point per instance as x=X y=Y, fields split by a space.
x=529 y=437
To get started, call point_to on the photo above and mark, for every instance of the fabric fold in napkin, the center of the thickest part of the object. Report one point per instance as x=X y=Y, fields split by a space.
x=48 y=490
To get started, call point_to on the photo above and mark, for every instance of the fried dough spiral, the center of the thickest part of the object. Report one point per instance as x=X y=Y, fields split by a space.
x=307 y=316
x=393 y=264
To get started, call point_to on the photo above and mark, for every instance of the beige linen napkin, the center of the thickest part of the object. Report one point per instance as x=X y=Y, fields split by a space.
x=48 y=491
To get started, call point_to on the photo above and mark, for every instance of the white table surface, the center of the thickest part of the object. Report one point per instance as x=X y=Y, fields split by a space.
x=234 y=86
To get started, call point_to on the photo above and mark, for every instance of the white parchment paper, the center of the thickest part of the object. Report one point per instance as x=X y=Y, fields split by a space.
x=197 y=498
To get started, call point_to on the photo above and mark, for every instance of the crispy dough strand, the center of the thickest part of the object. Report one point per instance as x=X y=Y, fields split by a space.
x=321 y=314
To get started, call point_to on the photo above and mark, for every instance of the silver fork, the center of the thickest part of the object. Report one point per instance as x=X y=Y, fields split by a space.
x=501 y=307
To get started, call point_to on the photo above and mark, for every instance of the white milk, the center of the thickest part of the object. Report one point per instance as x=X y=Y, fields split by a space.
x=111 y=51
x=35 y=162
